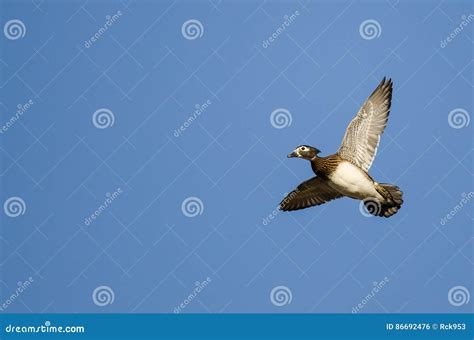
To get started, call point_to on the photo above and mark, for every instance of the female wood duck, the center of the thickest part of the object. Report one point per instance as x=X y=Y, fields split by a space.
x=345 y=173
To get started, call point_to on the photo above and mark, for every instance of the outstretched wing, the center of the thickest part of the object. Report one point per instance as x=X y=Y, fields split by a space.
x=314 y=191
x=362 y=137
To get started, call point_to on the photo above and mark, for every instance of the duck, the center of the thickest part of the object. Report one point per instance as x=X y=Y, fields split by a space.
x=346 y=172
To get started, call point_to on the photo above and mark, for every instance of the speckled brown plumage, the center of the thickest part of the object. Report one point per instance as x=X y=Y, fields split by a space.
x=323 y=166
x=345 y=173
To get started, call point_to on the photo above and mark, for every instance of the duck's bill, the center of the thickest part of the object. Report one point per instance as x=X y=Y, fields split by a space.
x=293 y=154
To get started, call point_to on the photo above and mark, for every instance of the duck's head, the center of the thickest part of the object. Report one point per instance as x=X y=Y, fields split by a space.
x=304 y=151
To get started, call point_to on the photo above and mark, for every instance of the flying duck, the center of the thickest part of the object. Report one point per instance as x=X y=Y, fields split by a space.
x=345 y=173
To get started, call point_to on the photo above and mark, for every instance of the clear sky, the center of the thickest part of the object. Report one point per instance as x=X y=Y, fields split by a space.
x=150 y=150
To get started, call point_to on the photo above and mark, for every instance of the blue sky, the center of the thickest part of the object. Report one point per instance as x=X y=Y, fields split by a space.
x=104 y=86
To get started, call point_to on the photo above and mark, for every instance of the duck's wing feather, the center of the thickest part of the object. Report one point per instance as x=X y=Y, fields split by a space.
x=314 y=191
x=362 y=137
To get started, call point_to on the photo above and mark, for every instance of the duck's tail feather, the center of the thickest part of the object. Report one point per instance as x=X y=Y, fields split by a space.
x=393 y=200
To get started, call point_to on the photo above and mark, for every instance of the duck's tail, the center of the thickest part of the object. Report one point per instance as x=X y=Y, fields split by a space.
x=393 y=200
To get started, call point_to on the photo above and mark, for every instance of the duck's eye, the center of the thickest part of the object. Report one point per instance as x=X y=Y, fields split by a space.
x=303 y=148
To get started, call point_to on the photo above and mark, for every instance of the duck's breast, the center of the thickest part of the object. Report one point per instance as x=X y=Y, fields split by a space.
x=352 y=181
